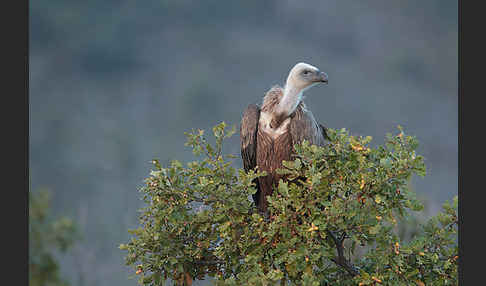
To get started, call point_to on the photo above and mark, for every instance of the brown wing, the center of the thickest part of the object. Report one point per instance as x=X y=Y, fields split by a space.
x=303 y=126
x=248 y=137
x=324 y=131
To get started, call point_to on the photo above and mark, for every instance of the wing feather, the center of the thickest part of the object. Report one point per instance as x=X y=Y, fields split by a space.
x=323 y=130
x=303 y=126
x=248 y=140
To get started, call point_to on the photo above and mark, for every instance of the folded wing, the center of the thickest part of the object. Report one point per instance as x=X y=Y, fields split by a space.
x=248 y=140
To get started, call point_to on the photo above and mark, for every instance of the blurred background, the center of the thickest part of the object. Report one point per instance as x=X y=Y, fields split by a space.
x=115 y=84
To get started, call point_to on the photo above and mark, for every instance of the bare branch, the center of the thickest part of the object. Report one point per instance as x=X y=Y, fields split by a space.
x=341 y=259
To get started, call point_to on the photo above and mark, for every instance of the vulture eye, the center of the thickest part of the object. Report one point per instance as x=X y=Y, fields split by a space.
x=306 y=72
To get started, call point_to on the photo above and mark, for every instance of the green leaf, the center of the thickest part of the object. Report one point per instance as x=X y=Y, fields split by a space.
x=375 y=229
x=204 y=213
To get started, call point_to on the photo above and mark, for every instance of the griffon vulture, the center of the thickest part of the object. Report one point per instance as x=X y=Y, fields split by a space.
x=268 y=133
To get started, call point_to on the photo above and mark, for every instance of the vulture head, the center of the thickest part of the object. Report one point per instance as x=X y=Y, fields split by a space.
x=303 y=76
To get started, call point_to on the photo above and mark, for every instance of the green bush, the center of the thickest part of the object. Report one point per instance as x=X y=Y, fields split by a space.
x=341 y=199
x=47 y=236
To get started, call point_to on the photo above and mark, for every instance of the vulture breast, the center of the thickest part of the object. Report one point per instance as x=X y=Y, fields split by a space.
x=273 y=146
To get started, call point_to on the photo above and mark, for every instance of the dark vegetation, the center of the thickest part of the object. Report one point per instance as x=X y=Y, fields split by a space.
x=48 y=237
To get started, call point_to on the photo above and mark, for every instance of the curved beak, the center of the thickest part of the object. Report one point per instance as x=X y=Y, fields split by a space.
x=322 y=77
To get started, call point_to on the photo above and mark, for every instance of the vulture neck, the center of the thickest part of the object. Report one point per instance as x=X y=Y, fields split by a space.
x=291 y=98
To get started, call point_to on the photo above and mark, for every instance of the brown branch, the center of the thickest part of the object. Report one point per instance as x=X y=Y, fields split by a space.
x=208 y=262
x=341 y=259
